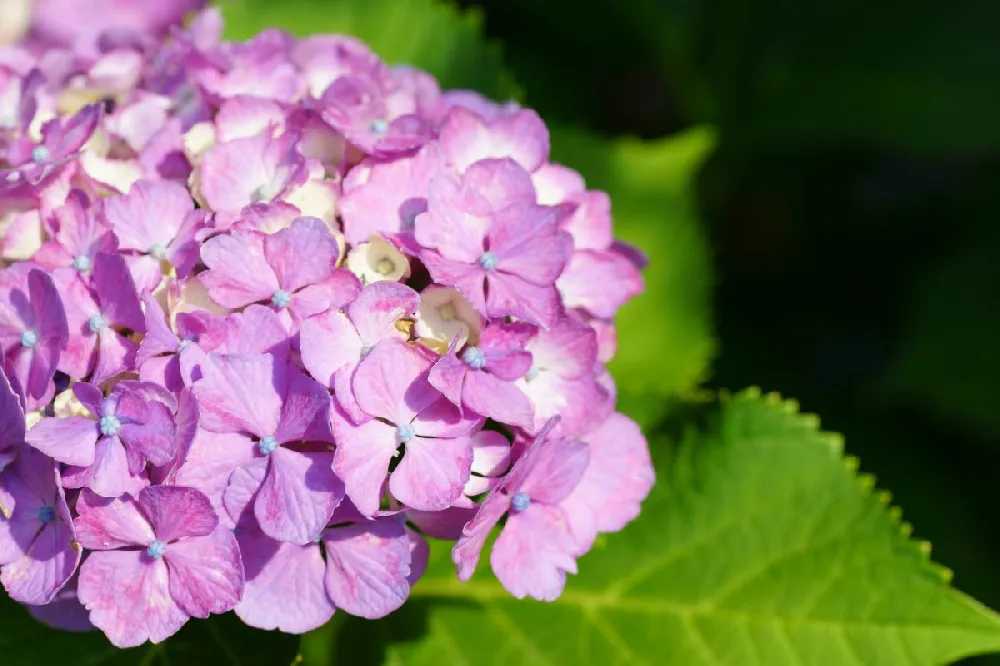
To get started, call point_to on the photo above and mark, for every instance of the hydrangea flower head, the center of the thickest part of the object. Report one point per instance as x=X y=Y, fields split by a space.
x=273 y=314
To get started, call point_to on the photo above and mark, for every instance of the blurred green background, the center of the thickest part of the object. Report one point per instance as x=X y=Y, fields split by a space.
x=851 y=205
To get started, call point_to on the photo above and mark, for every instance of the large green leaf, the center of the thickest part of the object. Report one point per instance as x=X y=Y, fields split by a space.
x=220 y=641
x=665 y=341
x=758 y=546
x=430 y=34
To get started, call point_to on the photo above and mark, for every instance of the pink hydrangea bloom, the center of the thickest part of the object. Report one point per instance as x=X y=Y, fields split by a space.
x=157 y=559
x=391 y=385
x=271 y=312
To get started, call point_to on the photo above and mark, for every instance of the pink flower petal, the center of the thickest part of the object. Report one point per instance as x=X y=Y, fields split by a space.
x=367 y=567
x=599 y=282
x=391 y=382
x=106 y=524
x=305 y=411
x=379 y=307
x=150 y=214
x=109 y=476
x=328 y=342
x=534 y=552
x=238 y=272
x=432 y=473
x=69 y=440
x=522 y=136
x=206 y=573
x=210 y=461
x=298 y=495
x=362 y=459
x=175 y=512
x=303 y=254
x=273 y=568
x=502 y=401
x=240 y=393
x=128 y=596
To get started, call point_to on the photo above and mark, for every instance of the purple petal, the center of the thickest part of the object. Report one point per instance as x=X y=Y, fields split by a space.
x=64 y=612
x=298 y=495
x=448 y=376
x=534 y=552
x=391 y=382
x=116 y=292
x=109 y=476
x=240 y=393
x=206 y=573
x=69 y=440
x=617 y=479
x=272 y=569
x=45 y=568
x=115 y=354
x=175 y=512
x=91 y=397
x=511 y=295
x=50 y=317
x=379 y=307
x=305 y=412
x=238 y=273
x=465 y=554
x=502 y=401
x=328 y=342
x=128 y=596
x=599 y=282
x=303 y=254
x=367 y=567
x=159 y=338
x=446 y=524
x=555 y=470
x=241 y=493
x=150 y=214
x=432 y=473
x=362 y=459
x=106 y=524
x=11 y=416
x=210 y=461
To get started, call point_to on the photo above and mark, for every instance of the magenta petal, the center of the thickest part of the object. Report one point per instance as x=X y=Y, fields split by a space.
x=50 y=317
x=443 y=419
x=448 y=376
x=391 y=382
x=303 y=254
x=490 y=454
x=362 y=460
x=367 y=567
x=109 y=476
x=534 y=552
x=467 y=549
x=556 y=469
x=240 y=393
x=511 y=295
x=272 y=569
x=618 y=477
x=328 y=342
x=298 y=495
x=432 y=473
x=238 y=273
x=206 y=573
x=115 y=354
x=159 y=339
x=128 y=596
x=468 y=279
x=105 y=524
x=175 y=512
x=115 y=290
x=151 y=213
x=599 y=282
x=446 y=524
x=45 y=568
x=379 y=307
x=241 y=493
x=502 y=401
x=69 y=440
x=305 y=411
x=420 y=555
x=11 y=417
x=91 y=397
x=211 y=460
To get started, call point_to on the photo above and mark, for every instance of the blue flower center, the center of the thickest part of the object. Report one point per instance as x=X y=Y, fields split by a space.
x=405 y=433
x=488 y=261
x=474 y=358
x=378 y=126
x=532 y=373
x=82 y=263
x=96 y=323
x=46 y=514
x=268 y=445
x=110 y=425
x=158 y=251
x=41 y=154
x=520 y=501
x=156 y=550
x=29 y=338
x=184 y=343
x=281 y=299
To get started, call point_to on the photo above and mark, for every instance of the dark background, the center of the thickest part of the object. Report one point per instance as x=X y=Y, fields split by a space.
x=852 y=206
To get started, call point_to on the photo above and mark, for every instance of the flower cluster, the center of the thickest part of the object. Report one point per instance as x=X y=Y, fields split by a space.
x=271 y=315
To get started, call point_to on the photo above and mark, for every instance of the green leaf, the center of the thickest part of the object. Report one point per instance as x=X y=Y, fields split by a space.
x=220 y=641
x=759 y=546
x=949 y=360
x=665 y=341
x=430 y=34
